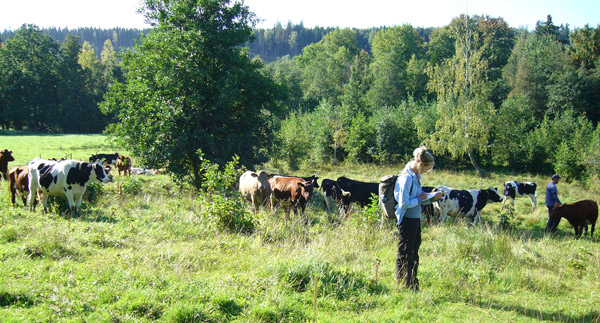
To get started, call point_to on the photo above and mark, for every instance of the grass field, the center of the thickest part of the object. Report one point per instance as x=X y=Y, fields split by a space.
x=149 y=250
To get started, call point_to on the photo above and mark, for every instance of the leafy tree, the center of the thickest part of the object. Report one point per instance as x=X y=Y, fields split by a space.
x=585 y=47
x=530 y=69
x=326 y=66
x=28 y=77
x=393 y=49
x=465 y=113
x=547 y=28
x=441 y=45
x=189 y=87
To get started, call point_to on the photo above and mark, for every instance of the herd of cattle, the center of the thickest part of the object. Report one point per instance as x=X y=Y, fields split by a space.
x=291 y=192
x=70 y=178
x=67 y=177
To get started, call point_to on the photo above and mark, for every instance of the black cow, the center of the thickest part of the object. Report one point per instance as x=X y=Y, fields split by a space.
x=332 y=192
x=105 y=158
x=360 y=192
x=513 y=189
x=466 y=202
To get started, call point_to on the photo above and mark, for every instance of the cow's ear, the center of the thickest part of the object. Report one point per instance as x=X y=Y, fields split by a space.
x=253 y=174
x=301 y=184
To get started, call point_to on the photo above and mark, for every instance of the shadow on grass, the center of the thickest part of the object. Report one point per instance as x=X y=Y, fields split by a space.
x=542 y=315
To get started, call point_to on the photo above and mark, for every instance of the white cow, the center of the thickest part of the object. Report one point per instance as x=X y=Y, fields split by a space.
x=68 y=177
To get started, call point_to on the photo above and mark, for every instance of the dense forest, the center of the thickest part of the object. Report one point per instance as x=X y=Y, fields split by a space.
x=478 y=92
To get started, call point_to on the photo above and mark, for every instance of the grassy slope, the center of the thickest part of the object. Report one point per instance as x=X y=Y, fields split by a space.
x=154 y=256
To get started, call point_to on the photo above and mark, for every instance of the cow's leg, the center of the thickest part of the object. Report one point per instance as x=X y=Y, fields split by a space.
x=592 y=230
x=31 y=196
x=533 y=201
x=503 y=201
x=476 y=218
x=43 y=199
x=69 y=195
x=79 y=203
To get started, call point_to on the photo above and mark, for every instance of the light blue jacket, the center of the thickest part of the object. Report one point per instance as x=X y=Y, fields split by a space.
x=409 y=200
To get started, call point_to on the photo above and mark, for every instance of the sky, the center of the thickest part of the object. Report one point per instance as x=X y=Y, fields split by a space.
x=324 y=13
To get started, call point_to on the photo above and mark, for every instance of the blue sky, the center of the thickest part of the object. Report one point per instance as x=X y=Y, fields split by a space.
x=324 y=13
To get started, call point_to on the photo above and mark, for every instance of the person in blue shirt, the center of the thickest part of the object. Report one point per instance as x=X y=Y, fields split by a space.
x=552 y=201
x=409 y=194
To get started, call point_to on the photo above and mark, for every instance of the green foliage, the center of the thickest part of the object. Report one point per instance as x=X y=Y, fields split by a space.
x=190 y=87
x=131 y=185
x=226 y=213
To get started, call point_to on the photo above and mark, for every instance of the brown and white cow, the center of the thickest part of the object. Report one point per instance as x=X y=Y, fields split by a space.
x=124 y=165
x=255 y=187
x=5 y=157
x=68 y=177
x=18 y=182
x=579 y=215
x=290 y=192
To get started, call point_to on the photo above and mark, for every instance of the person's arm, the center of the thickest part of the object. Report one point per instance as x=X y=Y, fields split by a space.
x=402 y=192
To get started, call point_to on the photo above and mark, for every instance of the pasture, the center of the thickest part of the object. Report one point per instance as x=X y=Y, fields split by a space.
x=147 y=249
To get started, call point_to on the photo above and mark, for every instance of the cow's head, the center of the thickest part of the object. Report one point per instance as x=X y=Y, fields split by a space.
x=509 y=189
x=6 y=155
x=100 y=172
x=307 y=190
x=263 y=180
x=494 y=195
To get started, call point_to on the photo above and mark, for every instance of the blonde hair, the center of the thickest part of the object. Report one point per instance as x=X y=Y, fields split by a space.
x=423 y=155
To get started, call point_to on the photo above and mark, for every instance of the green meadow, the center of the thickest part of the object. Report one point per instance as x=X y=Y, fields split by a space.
x=148 y=249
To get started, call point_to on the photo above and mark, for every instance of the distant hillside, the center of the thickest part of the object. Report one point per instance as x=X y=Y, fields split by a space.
x=269 y=44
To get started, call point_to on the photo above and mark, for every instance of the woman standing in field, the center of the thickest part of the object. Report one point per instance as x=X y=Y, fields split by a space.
x=409 y=194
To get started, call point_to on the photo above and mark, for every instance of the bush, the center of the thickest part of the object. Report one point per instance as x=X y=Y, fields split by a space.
x=131 y=186
x=226 y=213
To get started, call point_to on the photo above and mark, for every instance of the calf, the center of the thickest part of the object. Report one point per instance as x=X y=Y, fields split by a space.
x=291 y=192
x=255 y=188
x=104 y=158
x=465 y=202
x=360 y=192
x=332 y=193
x=5 y=157
x=18 y=182
x=513 y=189
x=124 y=165
x=311 y=179
x=579 y=215
x=68 y=177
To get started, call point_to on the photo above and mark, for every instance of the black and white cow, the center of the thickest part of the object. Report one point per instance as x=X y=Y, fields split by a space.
x=465 y=202
x=68 y=177
x=513 y=189
x=105 y=158
x=333 y=194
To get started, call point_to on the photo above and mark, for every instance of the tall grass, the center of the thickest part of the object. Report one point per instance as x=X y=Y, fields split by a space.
x=147 y=250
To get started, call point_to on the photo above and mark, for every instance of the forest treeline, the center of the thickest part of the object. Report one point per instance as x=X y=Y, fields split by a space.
x=478 y=92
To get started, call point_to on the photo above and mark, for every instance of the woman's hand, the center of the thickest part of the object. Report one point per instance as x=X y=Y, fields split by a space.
x=438 y=196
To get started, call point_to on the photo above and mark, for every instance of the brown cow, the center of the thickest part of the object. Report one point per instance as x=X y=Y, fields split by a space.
x=255 y=187
x=124 y=165
x=5 y=157
x=18 y=182
x=579 y=214
x=291 y=192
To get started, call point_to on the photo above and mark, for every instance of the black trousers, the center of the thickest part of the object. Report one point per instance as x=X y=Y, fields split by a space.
x=552 y=224
x=407 y=263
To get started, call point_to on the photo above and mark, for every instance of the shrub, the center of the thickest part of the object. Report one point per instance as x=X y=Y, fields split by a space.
x=131 y=186
x=226 y=213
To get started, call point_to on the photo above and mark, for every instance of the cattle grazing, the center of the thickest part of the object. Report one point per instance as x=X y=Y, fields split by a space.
x=360 y=192
x=124 y=165
x=291 y=192
x=255 y=187
x=68 y=177
x=579 y=215
x=311 y=179
x=105 y=159
x=5 y=157
x=18 y=182
x=333 y=194
x=466 y=202
x=513 y=189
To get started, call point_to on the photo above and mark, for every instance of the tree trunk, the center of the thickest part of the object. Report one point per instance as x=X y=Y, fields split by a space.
x=480 y=172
